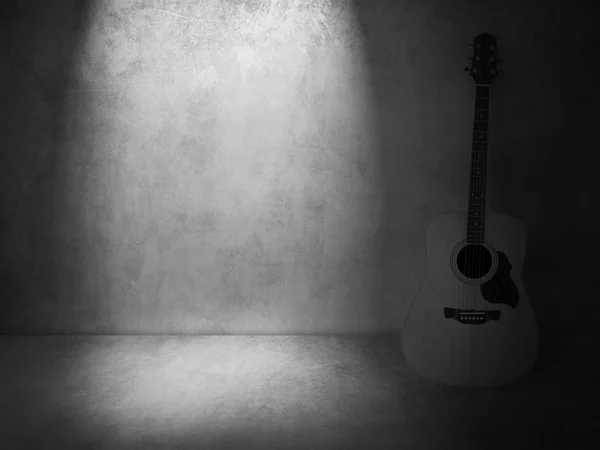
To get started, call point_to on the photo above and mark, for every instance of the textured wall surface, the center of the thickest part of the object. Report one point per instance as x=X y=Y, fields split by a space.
x=269 y=166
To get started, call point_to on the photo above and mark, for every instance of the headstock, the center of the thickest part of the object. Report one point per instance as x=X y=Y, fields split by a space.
x=483 y=68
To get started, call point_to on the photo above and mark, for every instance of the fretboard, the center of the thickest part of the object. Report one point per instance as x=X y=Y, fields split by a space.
x=477 y=180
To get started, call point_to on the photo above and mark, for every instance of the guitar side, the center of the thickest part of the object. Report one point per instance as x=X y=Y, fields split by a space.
x=447 y=351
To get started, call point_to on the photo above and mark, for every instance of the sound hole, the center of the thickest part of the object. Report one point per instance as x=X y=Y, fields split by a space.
x=474 y=261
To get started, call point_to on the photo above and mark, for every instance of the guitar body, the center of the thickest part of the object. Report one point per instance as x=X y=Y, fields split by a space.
x=472 y=332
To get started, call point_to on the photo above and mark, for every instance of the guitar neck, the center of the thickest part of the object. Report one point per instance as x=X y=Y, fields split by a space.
x=477 y=181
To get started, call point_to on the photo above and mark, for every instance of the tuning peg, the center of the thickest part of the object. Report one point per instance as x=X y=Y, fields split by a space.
x=470 y=58
x=466 y=69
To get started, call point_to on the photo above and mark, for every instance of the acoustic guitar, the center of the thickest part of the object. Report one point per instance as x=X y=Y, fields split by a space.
x=471 y=323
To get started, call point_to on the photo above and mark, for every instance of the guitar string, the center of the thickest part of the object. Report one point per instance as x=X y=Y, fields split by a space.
x=483 y=166
x=463 y=302
x=477 y=180
x=481 y=178
x=485 y=127
x=475 y=263
x=469 y=247
x=481 y=161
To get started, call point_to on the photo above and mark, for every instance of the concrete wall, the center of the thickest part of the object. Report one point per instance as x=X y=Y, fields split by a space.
x=269 y=166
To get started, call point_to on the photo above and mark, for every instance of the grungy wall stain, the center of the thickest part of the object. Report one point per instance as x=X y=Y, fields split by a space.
x=245 y=166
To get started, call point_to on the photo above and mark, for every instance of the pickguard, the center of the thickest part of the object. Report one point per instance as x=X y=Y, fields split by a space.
x=501 y=288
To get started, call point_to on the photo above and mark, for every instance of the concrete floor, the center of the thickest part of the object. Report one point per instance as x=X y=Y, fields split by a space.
x=277 y=392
